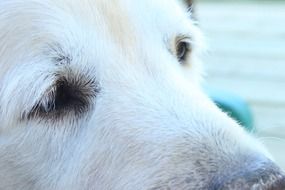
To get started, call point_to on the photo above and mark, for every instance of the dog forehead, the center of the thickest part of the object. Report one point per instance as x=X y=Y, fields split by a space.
x=125 y=12
x=125 y=21
x=128 y=27
x=82 y=23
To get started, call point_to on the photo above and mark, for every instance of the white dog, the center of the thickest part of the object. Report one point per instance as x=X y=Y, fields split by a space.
x=104 y=95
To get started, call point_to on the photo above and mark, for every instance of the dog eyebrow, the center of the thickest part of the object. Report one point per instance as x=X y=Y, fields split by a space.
x=58 y=55
x=63 y=59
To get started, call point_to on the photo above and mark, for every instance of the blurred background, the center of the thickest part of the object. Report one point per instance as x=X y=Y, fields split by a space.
x=246 y=56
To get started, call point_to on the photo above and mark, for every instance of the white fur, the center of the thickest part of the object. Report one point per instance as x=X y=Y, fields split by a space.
x=147 y=127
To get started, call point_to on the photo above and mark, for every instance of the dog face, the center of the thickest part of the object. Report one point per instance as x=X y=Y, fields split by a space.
x=105 y=95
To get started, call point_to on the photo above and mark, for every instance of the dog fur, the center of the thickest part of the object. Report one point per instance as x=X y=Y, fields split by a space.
x=92 y=96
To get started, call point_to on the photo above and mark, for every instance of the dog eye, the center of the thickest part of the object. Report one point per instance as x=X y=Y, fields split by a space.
x=63 y=97
x=183 y=49
x=66 y=97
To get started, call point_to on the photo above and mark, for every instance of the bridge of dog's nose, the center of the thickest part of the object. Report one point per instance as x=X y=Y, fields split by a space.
x=252 y=176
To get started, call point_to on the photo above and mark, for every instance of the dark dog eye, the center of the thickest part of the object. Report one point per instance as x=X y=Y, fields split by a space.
x=66 y=96
x=183 y=48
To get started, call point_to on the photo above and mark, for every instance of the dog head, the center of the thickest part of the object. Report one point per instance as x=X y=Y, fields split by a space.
x=105 y=95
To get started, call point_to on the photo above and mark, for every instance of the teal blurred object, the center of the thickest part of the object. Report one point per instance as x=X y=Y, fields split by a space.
x=234 y=105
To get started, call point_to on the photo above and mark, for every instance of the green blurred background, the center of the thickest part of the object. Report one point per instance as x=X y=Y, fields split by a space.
x=246 y=56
